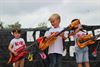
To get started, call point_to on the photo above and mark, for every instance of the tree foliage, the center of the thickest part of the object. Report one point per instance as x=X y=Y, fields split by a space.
x=42 y=25
x=16 y=25
x=1 y=25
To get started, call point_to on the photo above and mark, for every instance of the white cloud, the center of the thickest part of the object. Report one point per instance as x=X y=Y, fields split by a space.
x=38 y=16
x=30 y=13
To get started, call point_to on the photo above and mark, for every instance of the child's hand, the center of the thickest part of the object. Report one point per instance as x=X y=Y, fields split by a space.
x=15 y=53
x=72 y=33
x=53 y=34
x=62 y=35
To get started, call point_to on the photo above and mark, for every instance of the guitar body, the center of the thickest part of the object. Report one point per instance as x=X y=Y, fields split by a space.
x=89 y=40
x=87 y=43
x=13 y=58
x=86 y=37
x=45 y=44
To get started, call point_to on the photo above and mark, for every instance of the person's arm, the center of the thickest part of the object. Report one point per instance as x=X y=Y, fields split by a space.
x=10 y=49
x=24 y=44
x=63 y=36
x=74 y=32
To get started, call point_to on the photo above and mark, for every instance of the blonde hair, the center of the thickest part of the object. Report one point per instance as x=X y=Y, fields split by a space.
x=54 y=16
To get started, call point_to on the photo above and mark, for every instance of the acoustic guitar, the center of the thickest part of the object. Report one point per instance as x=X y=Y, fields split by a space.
x=43 y=44
x=89 y=40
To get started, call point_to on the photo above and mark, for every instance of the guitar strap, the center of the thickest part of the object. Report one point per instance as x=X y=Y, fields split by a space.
x=64 y=44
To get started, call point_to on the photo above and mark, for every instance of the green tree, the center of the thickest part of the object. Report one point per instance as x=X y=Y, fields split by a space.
x=42 y=25
x=1 y=25
x=16 y=25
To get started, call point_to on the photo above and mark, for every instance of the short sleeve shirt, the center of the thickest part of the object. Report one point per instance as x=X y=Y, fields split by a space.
x=57 y=46
x=18 y=44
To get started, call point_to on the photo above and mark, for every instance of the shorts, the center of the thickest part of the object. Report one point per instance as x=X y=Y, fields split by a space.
x=82 y=56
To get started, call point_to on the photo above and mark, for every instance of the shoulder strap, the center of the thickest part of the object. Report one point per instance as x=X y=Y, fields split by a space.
x=64 y=44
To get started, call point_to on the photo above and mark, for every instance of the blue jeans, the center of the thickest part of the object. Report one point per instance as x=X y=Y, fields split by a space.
x=55 y=60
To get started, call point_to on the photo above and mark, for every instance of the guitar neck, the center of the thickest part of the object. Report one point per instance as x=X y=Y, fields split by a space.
x=35 y=42
x=61 y=32
x=94 y=37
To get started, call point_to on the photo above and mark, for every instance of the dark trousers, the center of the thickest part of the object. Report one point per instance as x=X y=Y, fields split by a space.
x=55 y=60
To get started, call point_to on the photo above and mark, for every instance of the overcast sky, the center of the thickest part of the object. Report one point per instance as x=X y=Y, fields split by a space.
x=30 y=13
